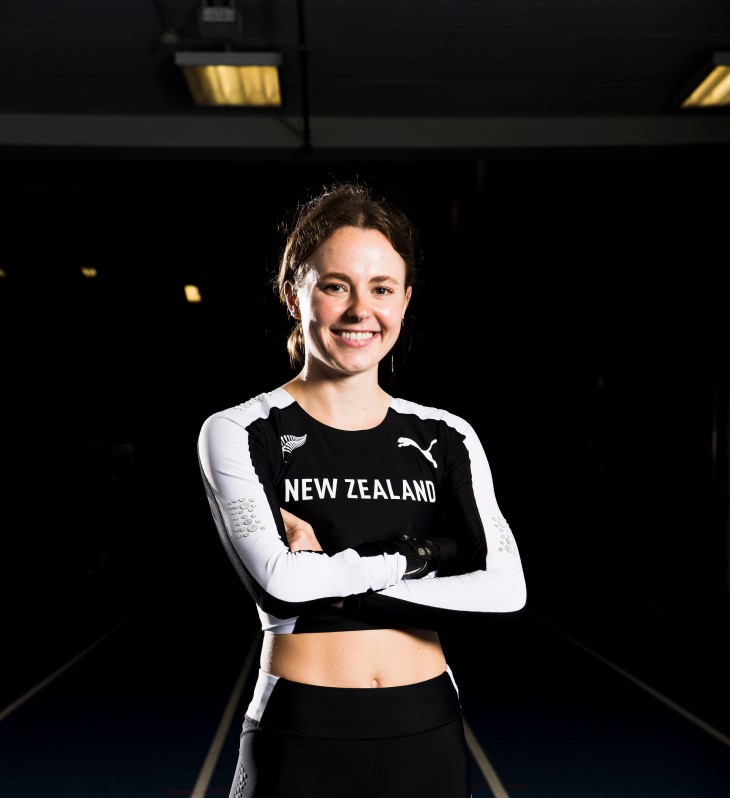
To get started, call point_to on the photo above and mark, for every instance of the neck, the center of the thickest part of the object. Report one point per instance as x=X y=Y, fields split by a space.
x=353 y=402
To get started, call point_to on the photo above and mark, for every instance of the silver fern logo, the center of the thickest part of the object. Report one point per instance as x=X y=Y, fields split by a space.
x=291 y=442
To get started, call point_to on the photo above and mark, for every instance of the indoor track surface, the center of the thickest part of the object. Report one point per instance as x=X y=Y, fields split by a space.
x=145 y=700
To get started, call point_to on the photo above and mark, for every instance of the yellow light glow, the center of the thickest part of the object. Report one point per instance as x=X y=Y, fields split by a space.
x=714 y=90
x=234 y=85
x=192 y=294
x=88 y=271
x=3 y=273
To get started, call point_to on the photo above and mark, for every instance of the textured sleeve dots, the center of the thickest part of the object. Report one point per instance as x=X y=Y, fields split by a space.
x=243 y=517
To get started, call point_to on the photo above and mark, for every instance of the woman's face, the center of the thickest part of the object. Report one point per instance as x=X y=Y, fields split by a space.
x=351 y=300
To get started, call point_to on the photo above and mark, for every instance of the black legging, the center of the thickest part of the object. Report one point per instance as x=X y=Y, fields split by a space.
x=334 y=742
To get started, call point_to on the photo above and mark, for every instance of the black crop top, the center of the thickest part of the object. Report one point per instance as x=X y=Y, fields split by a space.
x=422 y=471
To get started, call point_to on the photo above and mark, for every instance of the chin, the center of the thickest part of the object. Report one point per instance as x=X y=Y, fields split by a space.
x=355 y=366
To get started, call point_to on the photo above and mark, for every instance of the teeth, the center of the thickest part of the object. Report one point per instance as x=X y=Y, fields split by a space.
x=356 y=336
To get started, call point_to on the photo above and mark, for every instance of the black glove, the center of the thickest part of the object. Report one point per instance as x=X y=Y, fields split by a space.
x=424 y=554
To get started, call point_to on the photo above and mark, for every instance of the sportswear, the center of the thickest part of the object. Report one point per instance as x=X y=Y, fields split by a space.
x=310 y=741
x=421 y=472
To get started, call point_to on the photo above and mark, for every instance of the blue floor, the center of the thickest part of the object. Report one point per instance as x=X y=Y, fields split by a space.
x=123 y=699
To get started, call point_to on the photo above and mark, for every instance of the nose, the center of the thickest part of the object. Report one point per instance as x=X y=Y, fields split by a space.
x=359 y=308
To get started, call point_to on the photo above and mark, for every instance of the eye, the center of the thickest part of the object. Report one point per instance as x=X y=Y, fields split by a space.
x=333 y=288
x=383 y=290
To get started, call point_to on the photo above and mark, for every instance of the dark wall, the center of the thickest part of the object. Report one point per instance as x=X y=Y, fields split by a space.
x=571 y=309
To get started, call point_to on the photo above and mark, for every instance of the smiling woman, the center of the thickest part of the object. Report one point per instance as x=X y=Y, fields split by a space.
x=350 y=297
x=361 y=524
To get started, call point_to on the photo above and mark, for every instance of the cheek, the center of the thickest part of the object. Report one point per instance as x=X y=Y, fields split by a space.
x=391 y=316
x=313 y=310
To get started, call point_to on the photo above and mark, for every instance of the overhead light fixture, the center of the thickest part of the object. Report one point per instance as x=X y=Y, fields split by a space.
x=192 y=293
x=713 y=88
x=232 y=78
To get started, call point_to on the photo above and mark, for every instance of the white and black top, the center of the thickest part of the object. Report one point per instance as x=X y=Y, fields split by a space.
x=422 y=472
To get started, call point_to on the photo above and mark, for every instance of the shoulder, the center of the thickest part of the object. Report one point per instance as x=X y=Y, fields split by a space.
x=259 y=407
x=428 y=413
x=455 y=433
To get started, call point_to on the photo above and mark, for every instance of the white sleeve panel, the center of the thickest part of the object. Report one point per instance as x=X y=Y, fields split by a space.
x=241 y=508
x=478 y=591
x=499 y=588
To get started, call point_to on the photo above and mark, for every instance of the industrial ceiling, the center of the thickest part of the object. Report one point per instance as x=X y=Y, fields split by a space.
x=465 y=75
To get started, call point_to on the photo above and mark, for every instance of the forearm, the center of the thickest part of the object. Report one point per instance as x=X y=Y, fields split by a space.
x=249 y=522
x=440 y=602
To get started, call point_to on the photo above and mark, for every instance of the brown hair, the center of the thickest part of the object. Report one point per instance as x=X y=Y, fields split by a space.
x=341 y=205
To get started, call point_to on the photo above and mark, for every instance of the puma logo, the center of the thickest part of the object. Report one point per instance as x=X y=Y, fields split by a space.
x=425 y=452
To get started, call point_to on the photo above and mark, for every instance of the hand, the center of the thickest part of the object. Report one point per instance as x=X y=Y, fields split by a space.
x=300 y=537
x=423 y=555
x=299 y=533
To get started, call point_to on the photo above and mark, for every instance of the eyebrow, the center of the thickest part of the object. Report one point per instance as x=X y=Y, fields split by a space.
x=378 y=278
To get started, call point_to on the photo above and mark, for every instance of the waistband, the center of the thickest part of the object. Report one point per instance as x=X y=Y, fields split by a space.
x=354 y=712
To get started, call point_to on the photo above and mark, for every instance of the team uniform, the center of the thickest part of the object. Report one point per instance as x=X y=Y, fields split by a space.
x=421 y=472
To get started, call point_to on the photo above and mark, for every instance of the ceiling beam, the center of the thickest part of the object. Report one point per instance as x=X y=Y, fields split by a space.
x=371 y=133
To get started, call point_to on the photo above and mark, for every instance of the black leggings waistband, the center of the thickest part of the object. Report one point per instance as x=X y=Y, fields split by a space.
x=361 y=713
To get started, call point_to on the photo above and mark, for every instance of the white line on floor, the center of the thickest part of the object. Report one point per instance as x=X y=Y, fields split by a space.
x=206 y=772
x=495 y=785
x=644 y=686
x=20 y=701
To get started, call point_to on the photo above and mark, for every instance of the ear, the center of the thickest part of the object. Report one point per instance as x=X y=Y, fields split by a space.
x=408 y=299
x=292 y=302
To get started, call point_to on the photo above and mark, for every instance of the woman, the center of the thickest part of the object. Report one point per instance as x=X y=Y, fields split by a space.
x=360 y=524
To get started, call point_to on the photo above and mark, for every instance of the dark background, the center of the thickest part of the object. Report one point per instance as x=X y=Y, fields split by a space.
x=572 y=308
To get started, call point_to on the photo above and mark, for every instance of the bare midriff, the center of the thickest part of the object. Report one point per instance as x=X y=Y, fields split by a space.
x=368 y=658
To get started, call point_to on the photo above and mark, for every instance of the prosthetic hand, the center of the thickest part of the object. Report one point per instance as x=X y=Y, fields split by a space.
x=423 y=555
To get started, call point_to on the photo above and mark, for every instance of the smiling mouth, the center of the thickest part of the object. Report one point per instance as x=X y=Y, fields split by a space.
x=352 y=335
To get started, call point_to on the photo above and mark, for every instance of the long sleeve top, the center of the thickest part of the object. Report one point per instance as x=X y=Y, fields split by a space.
x=422 y=471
